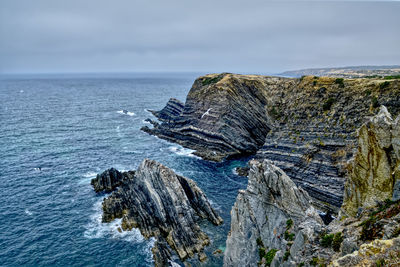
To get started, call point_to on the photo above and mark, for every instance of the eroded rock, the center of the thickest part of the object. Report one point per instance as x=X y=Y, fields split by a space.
x=163 y=205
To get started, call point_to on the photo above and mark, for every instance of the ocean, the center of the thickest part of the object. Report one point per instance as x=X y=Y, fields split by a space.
x=57 y=132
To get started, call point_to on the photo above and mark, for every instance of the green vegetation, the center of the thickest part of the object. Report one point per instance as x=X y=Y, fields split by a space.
x=289 y=224
x=368 y=92
x=314 y=83
x=392 y=77
x=328 y=104
x=380 y=263
x=314 y=261
x=210 y=80
x=384 y=85
x=270 y=256
x=326 y=240
x=286 y=256
x=371 y=228
x=259 y=242
x=301 y=264
x=340 y=82
x=375 y=102
x=337 y=241
x=276 y=114
x=289 y=236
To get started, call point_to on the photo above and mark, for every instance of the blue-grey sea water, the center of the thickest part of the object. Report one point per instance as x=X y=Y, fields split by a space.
x=56 y=134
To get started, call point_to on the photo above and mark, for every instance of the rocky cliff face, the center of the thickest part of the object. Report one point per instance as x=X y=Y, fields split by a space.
x=224 y=115
x=163 y=205
x=376 y=167
x=109 y=180
x=366 y=234
x=271 y=218
x=306 y=126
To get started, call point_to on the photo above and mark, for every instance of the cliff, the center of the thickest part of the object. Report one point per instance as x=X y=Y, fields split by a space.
x=163 y=205
x=375 y=171
x=306 y=126
x=366 y=233
x=271 y=218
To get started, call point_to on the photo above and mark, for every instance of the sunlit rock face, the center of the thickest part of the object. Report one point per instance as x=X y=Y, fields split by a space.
x=375 y=170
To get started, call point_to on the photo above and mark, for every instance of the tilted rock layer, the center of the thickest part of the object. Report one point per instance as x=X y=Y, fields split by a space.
x=376 y=167
x=306 y=126
x=271 y=209
x=163 y=205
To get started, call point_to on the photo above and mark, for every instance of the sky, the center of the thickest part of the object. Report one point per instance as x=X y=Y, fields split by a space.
x=253 y=36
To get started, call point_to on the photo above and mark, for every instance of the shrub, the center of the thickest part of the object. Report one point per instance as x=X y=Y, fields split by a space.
x=259 y=242
x=314 y=83
x=270 y=256
x=337 y=240
x=375 y=102
x=209 y=80
x=286 y=256
x=261 y=252
x=314 y=261
x=301 y=264
x=384 y=85
x=340 y=82
x=289 y=224
x=289 y=236
x=326 y=240
x=328 y=104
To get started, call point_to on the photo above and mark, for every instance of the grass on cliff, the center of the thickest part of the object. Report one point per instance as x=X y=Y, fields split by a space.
x=210 y=80
x=372 y=228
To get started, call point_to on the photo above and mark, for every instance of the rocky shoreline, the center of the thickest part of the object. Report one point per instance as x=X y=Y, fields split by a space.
x=161 y=204
x=321 y=146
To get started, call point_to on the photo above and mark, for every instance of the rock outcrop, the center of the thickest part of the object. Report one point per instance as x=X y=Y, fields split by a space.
x=108 y=180
x=163 y=205
x=306 y=126
x=376 y=167
x=272 y=216
x=224 y=115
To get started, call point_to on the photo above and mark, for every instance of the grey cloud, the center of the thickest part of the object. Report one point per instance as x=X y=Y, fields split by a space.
x=236 y=36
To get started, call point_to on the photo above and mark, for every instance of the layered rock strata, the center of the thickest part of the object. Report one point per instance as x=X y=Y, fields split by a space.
x=163 y=205
x=366 y=233
x=376 y=167
x=272 y=215
x=109 y=180
x=306 y=126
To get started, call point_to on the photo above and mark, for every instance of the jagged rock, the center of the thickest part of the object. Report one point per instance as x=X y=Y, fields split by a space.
x=372 y=178
x=382 y=252
x=224 y=115
x=163 y=205
x=270 y=206
x=171 y=111
x=107 y=181
x=242 y=171
x=306 y=126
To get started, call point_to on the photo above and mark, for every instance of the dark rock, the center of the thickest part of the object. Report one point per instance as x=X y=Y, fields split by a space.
x=163 y=205
x=107 y=181
x=242 y=171
x=171 y=111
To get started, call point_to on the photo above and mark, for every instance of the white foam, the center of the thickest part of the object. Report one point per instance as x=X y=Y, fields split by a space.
x=144 y=121
x=21 y=91
x=126 y=113
x=97 y=229
x=28 y=212
x=215 y=205
x=87 y=177
x=181 y=151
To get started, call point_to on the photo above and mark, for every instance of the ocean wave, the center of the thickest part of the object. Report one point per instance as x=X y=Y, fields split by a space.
x=125 y=112
x=28 y=212
x=181 y=151
x=97 y=229
x=87 y=177
x=145 y=121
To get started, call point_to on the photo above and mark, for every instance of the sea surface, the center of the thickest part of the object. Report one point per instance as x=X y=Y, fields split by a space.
x=56 y=133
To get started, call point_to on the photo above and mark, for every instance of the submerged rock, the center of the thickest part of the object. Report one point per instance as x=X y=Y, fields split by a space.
x=163 y=205
x=268 y=216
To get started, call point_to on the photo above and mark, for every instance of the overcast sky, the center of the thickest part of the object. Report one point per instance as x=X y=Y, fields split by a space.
x=258 y=36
